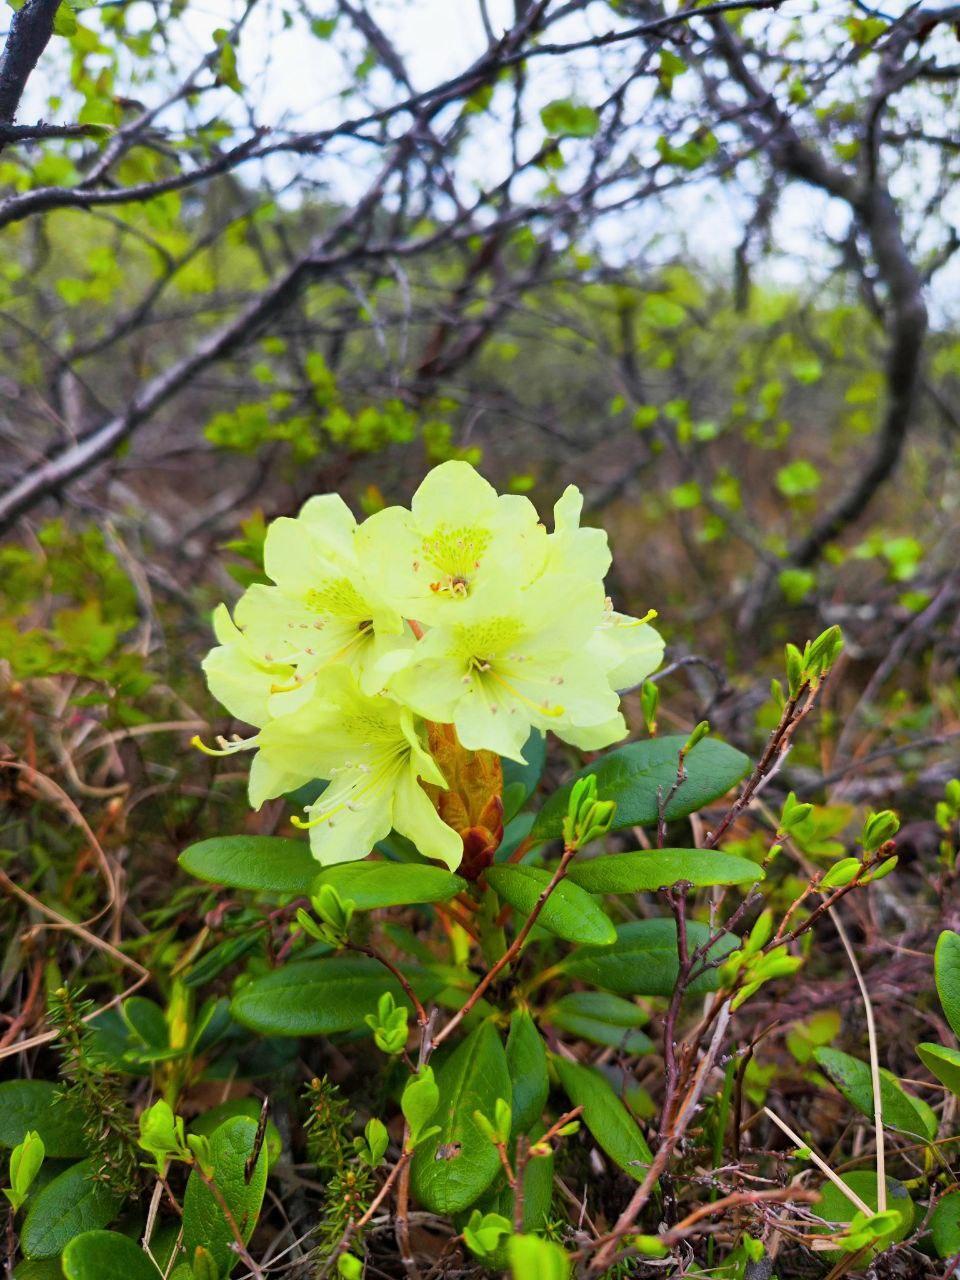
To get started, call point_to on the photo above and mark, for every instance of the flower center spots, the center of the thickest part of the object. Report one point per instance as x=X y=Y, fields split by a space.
x=338 y=596
x=456 y=553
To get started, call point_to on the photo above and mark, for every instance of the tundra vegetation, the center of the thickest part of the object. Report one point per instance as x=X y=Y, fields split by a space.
x=479 y=694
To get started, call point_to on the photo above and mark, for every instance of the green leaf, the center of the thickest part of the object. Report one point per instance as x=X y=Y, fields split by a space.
x=612 y=1125
x=211 y=1120
x=945 y=1225
x=531 y=1256
x=369 y=885
x=527 y=1062
x=36 y=1105
x=943 y=1062
x=946 y=967
x=73 y=1202
x=569 y=912
x=96 y=1255
x=320 y=997
x=853 y=1078
x=39 y=1269
x=455 y=1166
x=526 y=776
x=271 y=864
x=648 y=870
x=563 y=116
x=419 y=1102
x=204 y=1223
x=644 y=961
x=835 y=1207
x=632 y=775
x=601 y=1019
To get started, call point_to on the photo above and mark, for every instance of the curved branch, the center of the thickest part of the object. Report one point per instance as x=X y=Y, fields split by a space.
x=30 y=29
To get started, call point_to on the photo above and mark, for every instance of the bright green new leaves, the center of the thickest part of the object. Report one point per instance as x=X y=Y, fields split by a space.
x=388 y=1024
x=371 y=885
x=269 y=864
x=631 y=776
x=484 y=1231
x=25 y=1161
x=569 y=912
x=564 y=117
x=649 y=870
x=587 y=817
x=879 y=1231
x=162 y=1135
x=454 y=1166
x=643 y=960
x=96 y=1255
x=946 y=968
x=532 y=1256
x=319 y=997
x=899 y=1109
x=204 y=1222
x=73 y=1202
x=36 y=1105
x=614 y=1128
x=421 y=1097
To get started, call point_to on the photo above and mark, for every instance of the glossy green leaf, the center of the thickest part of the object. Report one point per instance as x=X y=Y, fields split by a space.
x=602 y=1019
x=527 y=1062
x=204 y=1222
x=95 y=1255
x=320 y=997
x=644 y=960
x=614 y=1128
x=207 y=1124
x=39 y=1269
x=945 y=1225
x=569 y=912
x=36 y=1105
x=632 y=775
x=73 y=1202
x=943 y=1062
x=272 y=864
x=369 y=885
x=451 y=1169
x=648 y=870
x=946 y=966
x=854 y=1080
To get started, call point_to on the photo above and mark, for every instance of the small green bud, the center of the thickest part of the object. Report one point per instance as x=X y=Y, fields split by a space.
x=349 y=1266
x=878 y=829
x=587 y=817
x=777 y=694
x=650 y=705
x=204 y=1267
x=882 y=870
x=697 y=735
x=794 y=665
x=760 y=933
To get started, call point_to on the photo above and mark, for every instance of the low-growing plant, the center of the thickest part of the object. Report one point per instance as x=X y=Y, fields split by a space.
x=554 y=996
